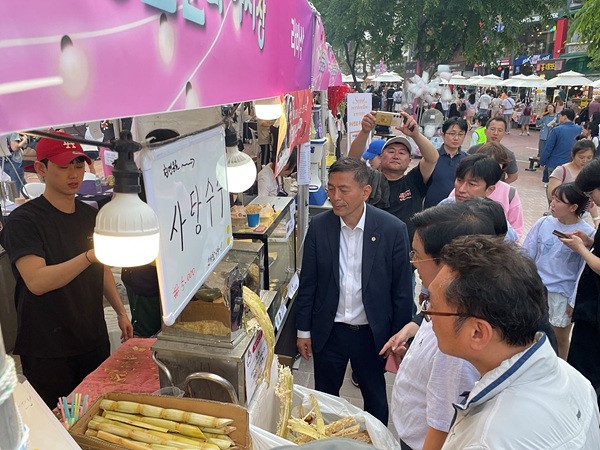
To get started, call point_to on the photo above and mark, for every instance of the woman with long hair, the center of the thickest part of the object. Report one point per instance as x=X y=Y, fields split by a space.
x=558 y=265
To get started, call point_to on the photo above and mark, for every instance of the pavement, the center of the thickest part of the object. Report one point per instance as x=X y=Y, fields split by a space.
x=533 y=197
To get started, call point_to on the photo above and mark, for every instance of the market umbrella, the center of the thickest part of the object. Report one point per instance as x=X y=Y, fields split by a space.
x=596 y=84
x=472 y=80
x=527 y=81
x=456 y=79
x=569 y=78
x=348 y=79
x=388 y=77
x=489 y=80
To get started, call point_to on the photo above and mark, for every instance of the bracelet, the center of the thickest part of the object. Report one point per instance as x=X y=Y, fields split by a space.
x=86 y=257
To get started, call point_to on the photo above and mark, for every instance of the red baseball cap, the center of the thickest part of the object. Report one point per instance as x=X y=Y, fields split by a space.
x=59 y=152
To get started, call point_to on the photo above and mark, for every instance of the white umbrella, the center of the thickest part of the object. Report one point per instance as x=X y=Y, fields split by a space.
x=388 y=77
x=569 y=78
x=348 y=79
x=596 y=84
x=527 y=81
x=456 y=79
x=489 y=80
x=472 y=80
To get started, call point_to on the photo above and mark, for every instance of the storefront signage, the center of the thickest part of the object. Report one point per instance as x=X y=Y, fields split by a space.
x=551 y=65
x=186 y=185
x=294 y=125
x=325 y=70
x=358 y=106
x=100 y=60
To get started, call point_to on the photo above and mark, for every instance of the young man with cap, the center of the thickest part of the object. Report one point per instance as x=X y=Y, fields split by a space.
x=486 y=305
x=407 y=189
x=61 y=334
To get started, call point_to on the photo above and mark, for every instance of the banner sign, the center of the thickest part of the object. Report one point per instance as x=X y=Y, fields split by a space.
x=294 y=125
x=358 y=106
x=325 y=70
x=74 y=62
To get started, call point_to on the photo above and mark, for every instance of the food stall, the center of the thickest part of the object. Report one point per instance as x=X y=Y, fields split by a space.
x=103 y=61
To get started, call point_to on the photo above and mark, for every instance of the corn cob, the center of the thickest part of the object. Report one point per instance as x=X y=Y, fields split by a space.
x=285 y=391
x=165 y=413
x=181 y=428
x=259 y=311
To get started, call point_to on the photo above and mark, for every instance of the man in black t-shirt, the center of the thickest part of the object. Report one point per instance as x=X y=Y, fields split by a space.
x=61 y=333
x=407 y=189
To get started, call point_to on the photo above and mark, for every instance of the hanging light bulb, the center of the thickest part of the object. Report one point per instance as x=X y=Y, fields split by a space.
x=268 y=108
x=127 y=231
x=241 y=170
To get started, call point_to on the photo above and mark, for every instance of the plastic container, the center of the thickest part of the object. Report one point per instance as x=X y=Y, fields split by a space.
x=253 y=219
x=171 y=391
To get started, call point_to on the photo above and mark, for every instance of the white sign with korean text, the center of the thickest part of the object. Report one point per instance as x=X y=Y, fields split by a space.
x=358 y=106
x=186 y=185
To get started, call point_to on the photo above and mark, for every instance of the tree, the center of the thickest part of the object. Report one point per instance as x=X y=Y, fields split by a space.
x=475 y=30
x=586 y=22
x=362 y=29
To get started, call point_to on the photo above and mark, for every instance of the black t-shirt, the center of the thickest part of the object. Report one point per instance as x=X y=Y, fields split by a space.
x=70 y=320
x=406 y=197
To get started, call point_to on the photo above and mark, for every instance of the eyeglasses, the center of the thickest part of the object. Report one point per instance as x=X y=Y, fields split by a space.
x=496 y=130
x=454 y=135
x=412 y=255
x=426 y=313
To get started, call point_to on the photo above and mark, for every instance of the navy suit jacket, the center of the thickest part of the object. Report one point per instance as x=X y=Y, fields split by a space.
x=386 y=276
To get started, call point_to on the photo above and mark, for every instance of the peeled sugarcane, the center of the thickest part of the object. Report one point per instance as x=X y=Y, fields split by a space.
x=259 y=311
x=146 y=436
x=132 y=421
x=181 y=428
x=284 y=391
x=127 y=443
x=223 y=430
x=202 y=420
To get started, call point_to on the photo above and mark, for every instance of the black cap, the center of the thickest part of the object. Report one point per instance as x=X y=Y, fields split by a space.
x=231 y=138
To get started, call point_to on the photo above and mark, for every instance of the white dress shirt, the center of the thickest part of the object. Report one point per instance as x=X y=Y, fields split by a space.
x=350 y=308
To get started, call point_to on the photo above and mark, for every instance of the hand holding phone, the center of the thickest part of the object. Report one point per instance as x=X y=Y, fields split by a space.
x=560 y=234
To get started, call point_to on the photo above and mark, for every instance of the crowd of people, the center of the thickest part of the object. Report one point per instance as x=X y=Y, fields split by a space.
x=490 y=350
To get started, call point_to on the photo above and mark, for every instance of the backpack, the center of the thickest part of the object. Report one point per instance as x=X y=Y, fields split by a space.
x=463 y=107
x=527 y=110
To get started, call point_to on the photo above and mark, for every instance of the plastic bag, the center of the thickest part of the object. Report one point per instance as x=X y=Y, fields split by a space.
x=332 y=408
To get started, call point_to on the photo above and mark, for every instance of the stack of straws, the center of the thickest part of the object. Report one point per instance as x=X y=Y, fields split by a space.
x=71 y=411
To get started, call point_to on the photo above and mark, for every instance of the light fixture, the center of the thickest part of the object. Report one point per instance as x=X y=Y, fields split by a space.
x=127 y=231
x=241 y=170
x=268 y=108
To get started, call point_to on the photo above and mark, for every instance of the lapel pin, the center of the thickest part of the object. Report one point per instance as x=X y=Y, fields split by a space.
x=373 y=238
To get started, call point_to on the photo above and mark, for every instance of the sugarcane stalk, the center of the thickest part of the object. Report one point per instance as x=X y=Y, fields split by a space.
x=259 y=311
x=319 y=422
x=127 y=443
x=91 y=433
x=177 y=415
x=137 y=423
x=284 y=391
x=223 y=444
x=182 y=428
x=222 y=430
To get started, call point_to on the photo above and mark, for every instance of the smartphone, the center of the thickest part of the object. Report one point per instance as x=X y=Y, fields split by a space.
x=389 y=119
x=560 y=234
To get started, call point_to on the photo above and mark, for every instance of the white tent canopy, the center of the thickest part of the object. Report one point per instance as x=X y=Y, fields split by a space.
x=489 y=80
x=472 y=81
x=569 y=78
x=527 y=81
x=348 y=79
x=388 y=77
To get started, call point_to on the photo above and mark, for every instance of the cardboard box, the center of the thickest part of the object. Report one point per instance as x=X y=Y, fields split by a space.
x=239 y=414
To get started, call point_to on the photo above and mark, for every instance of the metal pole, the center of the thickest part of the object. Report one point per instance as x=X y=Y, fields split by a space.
x=9 y=422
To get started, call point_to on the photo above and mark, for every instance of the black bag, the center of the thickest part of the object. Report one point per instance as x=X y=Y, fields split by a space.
x=463 y=107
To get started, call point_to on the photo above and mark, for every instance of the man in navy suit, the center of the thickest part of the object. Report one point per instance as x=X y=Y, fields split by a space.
x=355 y=287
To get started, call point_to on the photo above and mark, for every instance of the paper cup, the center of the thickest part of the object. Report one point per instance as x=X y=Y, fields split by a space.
x=253 y=220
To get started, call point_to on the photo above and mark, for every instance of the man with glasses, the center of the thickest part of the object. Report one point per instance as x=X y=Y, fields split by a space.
x=495 y=130
x=454 y=131
x=61 y=334
x=486 y=305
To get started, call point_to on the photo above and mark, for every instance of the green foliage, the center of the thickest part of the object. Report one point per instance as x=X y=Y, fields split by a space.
x=438 y=30
x=587 y=22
